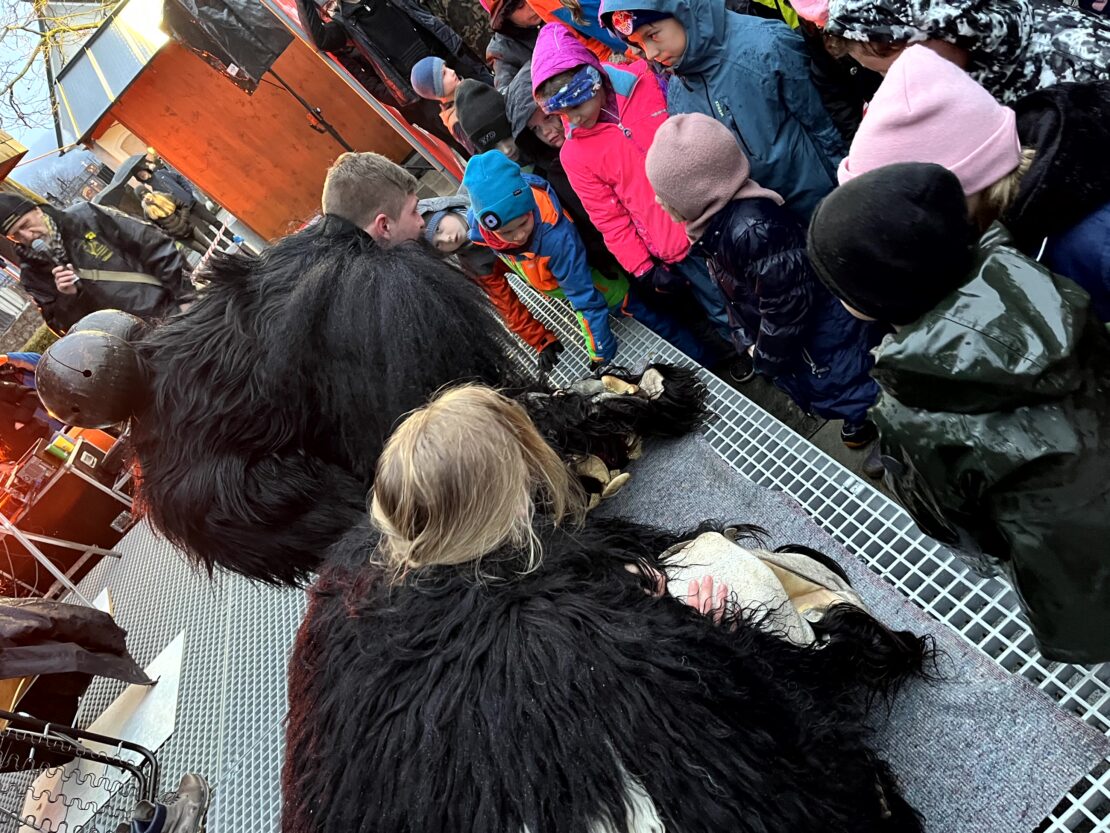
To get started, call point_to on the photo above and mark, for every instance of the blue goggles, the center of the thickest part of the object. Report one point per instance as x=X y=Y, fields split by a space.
x=578 y=90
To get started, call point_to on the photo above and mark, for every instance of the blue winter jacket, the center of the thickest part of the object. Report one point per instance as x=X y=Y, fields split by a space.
x=754 y=76
x=805 y=340
x=1082 y=253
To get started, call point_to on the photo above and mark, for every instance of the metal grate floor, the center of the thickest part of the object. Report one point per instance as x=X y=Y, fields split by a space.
x=238 y=635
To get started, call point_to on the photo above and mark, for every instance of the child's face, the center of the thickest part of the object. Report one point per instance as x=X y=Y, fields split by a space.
x=451 y=233
x=586 y=114
x=525 y=17
x=517 y=232
x=509 y=148
x=450 y=83
x=548 y=128
x=663 y=41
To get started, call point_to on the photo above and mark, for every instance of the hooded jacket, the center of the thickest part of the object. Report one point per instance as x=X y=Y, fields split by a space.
x=753 y=76
x=554 y=263
x=589 y=32
x=995 y=422
x=540 y=700
x=519 y=107
x=490 y=273
x=1065 y=196
x=507 y=54
x=1016 y=46
x=412 y=29
x=605 y=163
x=123 y=264
x=804 y=338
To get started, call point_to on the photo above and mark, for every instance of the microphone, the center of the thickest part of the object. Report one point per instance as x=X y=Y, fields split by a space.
x=39 y=246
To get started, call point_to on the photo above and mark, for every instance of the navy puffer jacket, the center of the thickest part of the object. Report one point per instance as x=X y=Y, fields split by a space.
x=805 y=341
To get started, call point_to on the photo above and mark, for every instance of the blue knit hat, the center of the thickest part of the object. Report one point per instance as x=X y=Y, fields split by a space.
x=498 y=191
x=431 y=223
x=427 y=78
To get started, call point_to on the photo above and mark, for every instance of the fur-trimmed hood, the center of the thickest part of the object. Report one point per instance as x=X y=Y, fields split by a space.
x=552 y=700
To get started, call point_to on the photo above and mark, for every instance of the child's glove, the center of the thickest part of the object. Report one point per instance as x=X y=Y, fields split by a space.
x=664 y=281
x=549 y=356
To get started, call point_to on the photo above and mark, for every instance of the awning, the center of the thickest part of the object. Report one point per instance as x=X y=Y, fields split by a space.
x=106 y=64
x=11 y=152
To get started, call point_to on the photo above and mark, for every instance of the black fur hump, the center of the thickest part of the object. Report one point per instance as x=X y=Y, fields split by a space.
x=273 y=395
x=516 y=703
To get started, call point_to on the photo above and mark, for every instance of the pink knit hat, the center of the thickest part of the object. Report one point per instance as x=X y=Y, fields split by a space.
x=815 y=11
x=929 y=110
x=697 y=168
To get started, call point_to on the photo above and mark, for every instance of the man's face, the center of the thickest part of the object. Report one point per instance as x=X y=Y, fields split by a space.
x=451 y=233
x=586 y=114
x=392 y=231
x=548 y=128
x=143 y=175
x=663 y=41
x=30 y=227
x=450 y=83
x=525 y=17
x=517 y=232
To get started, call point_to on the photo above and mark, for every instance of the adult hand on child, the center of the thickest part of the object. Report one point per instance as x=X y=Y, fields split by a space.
x=549 y=356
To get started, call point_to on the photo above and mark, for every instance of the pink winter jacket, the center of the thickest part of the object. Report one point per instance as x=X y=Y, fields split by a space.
x=605 y=163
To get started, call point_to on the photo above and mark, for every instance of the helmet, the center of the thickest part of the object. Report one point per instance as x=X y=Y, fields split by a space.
x=90 y=379
x=115 y=322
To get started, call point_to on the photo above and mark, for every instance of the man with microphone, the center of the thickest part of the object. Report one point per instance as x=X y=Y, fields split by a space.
x=88 y=257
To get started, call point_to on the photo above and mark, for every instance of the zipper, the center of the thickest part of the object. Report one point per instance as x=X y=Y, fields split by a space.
x=725 y=113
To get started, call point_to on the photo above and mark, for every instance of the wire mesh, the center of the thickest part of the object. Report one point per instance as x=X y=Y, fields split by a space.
x=238 y=635
x=54 y=783
x=984 y=611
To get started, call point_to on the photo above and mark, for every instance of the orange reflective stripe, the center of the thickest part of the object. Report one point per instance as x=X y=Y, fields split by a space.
x=548 y=212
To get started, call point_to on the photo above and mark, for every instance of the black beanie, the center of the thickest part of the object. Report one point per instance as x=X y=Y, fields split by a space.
x=894 y=242
x=481 y=112
x=12 y=207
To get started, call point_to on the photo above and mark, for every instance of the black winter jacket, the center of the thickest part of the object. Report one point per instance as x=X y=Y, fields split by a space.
x=360 y=24
x=108 y=251
x=804 y=338
x=995 y=424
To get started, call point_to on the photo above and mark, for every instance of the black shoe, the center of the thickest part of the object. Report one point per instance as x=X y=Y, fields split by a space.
x=741 y=369
x=873 y=465
x=858 y=436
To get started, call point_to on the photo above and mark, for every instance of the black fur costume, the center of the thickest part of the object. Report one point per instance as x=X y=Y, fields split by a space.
x=516 y=703
x=271 y=398
x=273 y=395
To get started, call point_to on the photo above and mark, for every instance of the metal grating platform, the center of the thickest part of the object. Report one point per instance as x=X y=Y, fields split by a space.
x=233 y=698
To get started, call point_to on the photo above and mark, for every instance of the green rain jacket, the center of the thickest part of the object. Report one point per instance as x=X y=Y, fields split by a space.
x=995 y=419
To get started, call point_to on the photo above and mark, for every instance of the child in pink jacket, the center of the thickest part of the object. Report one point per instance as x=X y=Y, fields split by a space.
x=611 y=114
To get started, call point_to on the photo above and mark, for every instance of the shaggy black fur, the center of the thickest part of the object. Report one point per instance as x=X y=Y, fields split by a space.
x=515 y=702
x=606 y=426
x=272 y=396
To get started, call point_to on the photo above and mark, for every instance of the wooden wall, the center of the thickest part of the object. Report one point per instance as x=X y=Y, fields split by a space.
x=256 y=154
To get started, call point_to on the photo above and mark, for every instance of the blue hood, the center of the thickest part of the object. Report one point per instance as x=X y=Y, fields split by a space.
x=705 y=22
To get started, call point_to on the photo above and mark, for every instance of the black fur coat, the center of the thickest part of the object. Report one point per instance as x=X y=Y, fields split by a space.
x=272 y=397
x=512 y=702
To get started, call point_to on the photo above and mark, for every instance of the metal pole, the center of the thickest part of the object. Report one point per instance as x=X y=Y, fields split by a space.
x=42 y=559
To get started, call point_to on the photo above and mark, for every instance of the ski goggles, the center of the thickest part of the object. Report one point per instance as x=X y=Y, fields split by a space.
x=578 y=90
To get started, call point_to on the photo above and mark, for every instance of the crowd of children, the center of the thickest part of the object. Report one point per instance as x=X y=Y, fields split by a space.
x=788 y=170
x=750 y=120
